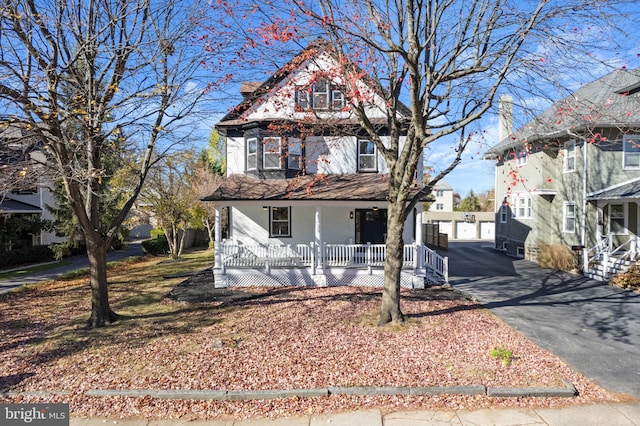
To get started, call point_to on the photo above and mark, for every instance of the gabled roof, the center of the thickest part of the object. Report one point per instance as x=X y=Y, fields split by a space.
x=610 y=101
x=255 y=92
x=349 y=187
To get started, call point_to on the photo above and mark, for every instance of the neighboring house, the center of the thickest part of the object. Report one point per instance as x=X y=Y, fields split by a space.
x=457 y=225
x=27 y=194
x=571 y=176
x=305 y=188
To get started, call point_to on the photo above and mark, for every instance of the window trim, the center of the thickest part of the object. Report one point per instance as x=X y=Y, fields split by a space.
x=527 y=207
x=624 y=217
x=504 y=213
x=566 y=217
x=625 y=139
x=254 y=154
x=272 y=222
x=265 y=152
x=305 y=96
x=294 y=144
x=521 y=157
x=569 y=154
x=373 y=155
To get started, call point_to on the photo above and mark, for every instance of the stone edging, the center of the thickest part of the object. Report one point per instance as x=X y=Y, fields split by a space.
x=567 y=391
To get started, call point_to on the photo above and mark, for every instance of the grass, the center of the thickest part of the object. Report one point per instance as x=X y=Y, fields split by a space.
x=31 y=269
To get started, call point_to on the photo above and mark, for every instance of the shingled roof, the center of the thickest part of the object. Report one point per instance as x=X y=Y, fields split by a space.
x=611 y=101
x=349 y=187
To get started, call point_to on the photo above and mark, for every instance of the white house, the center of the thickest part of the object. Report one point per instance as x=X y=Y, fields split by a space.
x=306 y=190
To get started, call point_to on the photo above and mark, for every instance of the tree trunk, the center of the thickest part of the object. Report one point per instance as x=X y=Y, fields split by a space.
x=390 y=309
x=101 y=313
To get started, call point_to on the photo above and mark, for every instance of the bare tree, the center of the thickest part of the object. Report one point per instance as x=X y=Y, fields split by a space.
x=446 y=61
x=83 y=72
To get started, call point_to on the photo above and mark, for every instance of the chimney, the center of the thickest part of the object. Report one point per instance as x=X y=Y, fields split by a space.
x=248 y=87
x=505 y=117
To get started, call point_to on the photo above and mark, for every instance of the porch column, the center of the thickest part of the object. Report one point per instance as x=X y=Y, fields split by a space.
x=419 y=239
x=318 y=239
x=217 y=235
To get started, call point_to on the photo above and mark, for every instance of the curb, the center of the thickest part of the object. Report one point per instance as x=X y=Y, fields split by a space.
x=568 y=391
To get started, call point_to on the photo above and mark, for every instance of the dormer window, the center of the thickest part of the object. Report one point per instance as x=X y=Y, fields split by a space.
x=321 y=95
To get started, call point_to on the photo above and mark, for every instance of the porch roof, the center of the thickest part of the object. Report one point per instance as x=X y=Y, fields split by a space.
x=9 y=206
x=628 y=190
x=349 y=187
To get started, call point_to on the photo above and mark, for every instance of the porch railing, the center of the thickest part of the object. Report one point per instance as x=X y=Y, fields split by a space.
x=609 y=256
x=418 y=257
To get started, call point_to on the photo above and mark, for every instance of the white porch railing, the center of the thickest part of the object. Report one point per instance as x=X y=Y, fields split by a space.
x=419 y=257
x=610 y=258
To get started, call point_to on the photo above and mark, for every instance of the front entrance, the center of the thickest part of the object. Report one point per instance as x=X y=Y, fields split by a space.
x=371 y=226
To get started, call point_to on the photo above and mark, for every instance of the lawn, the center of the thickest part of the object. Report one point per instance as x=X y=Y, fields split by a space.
x=180 y=333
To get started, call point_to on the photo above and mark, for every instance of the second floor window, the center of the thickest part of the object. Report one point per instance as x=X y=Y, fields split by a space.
x=569 y=156
x=294 y=160
x=252 y=154
x=367 y=156
x=439 y=193
x=439 y=206
x=272 y=153
x=631 y=148
x=322 y=95
x=521 y=158
x=521 y=206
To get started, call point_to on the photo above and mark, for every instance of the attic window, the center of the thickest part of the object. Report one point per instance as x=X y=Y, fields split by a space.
x=321 y=95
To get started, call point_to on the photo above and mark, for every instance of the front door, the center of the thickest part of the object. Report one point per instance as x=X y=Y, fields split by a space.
x=371 y=226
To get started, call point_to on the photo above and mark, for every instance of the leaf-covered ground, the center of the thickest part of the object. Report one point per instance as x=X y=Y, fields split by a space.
x=250 y=339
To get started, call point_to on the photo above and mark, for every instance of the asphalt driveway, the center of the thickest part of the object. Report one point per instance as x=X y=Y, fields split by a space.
x=592 y=326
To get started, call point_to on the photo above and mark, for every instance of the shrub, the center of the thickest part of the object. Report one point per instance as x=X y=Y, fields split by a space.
x=25 y=256
x=629 y=280
x=156 y=246
x=502 y=354
x=557 y=256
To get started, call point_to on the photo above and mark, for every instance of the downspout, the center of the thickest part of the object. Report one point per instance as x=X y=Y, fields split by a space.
x=584 y=193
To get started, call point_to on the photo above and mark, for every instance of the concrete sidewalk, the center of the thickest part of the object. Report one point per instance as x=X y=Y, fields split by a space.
x=614 y=414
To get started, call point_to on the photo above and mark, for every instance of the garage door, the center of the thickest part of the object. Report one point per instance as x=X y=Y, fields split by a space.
x=445 y=228
x=488 y=230
x=466 y=230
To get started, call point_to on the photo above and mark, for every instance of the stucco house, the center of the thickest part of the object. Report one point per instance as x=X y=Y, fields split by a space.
x=305 y=189
x=571 y=176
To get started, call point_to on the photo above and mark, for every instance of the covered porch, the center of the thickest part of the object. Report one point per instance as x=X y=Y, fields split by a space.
x=317 y=238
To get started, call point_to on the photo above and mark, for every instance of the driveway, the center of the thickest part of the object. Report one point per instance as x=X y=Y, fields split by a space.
x=592 y=326
x=133 y=248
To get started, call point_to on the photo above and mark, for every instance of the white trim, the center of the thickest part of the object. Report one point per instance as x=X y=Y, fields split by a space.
x=636 y=153
x=565 y=151
x=254 y=154
x=265 y=141
x=625 y=213
x=565 y=205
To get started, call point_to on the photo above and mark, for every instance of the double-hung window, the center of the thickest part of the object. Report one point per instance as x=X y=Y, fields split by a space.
x=569 y=217
x=521 y=206
x=569 y=151
x=294 y=159
x=367 y=156
x=617 y=222
x=279 y=222
x=504 y=209
x=631 y=151
x=272 y=153
x=252 y=154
